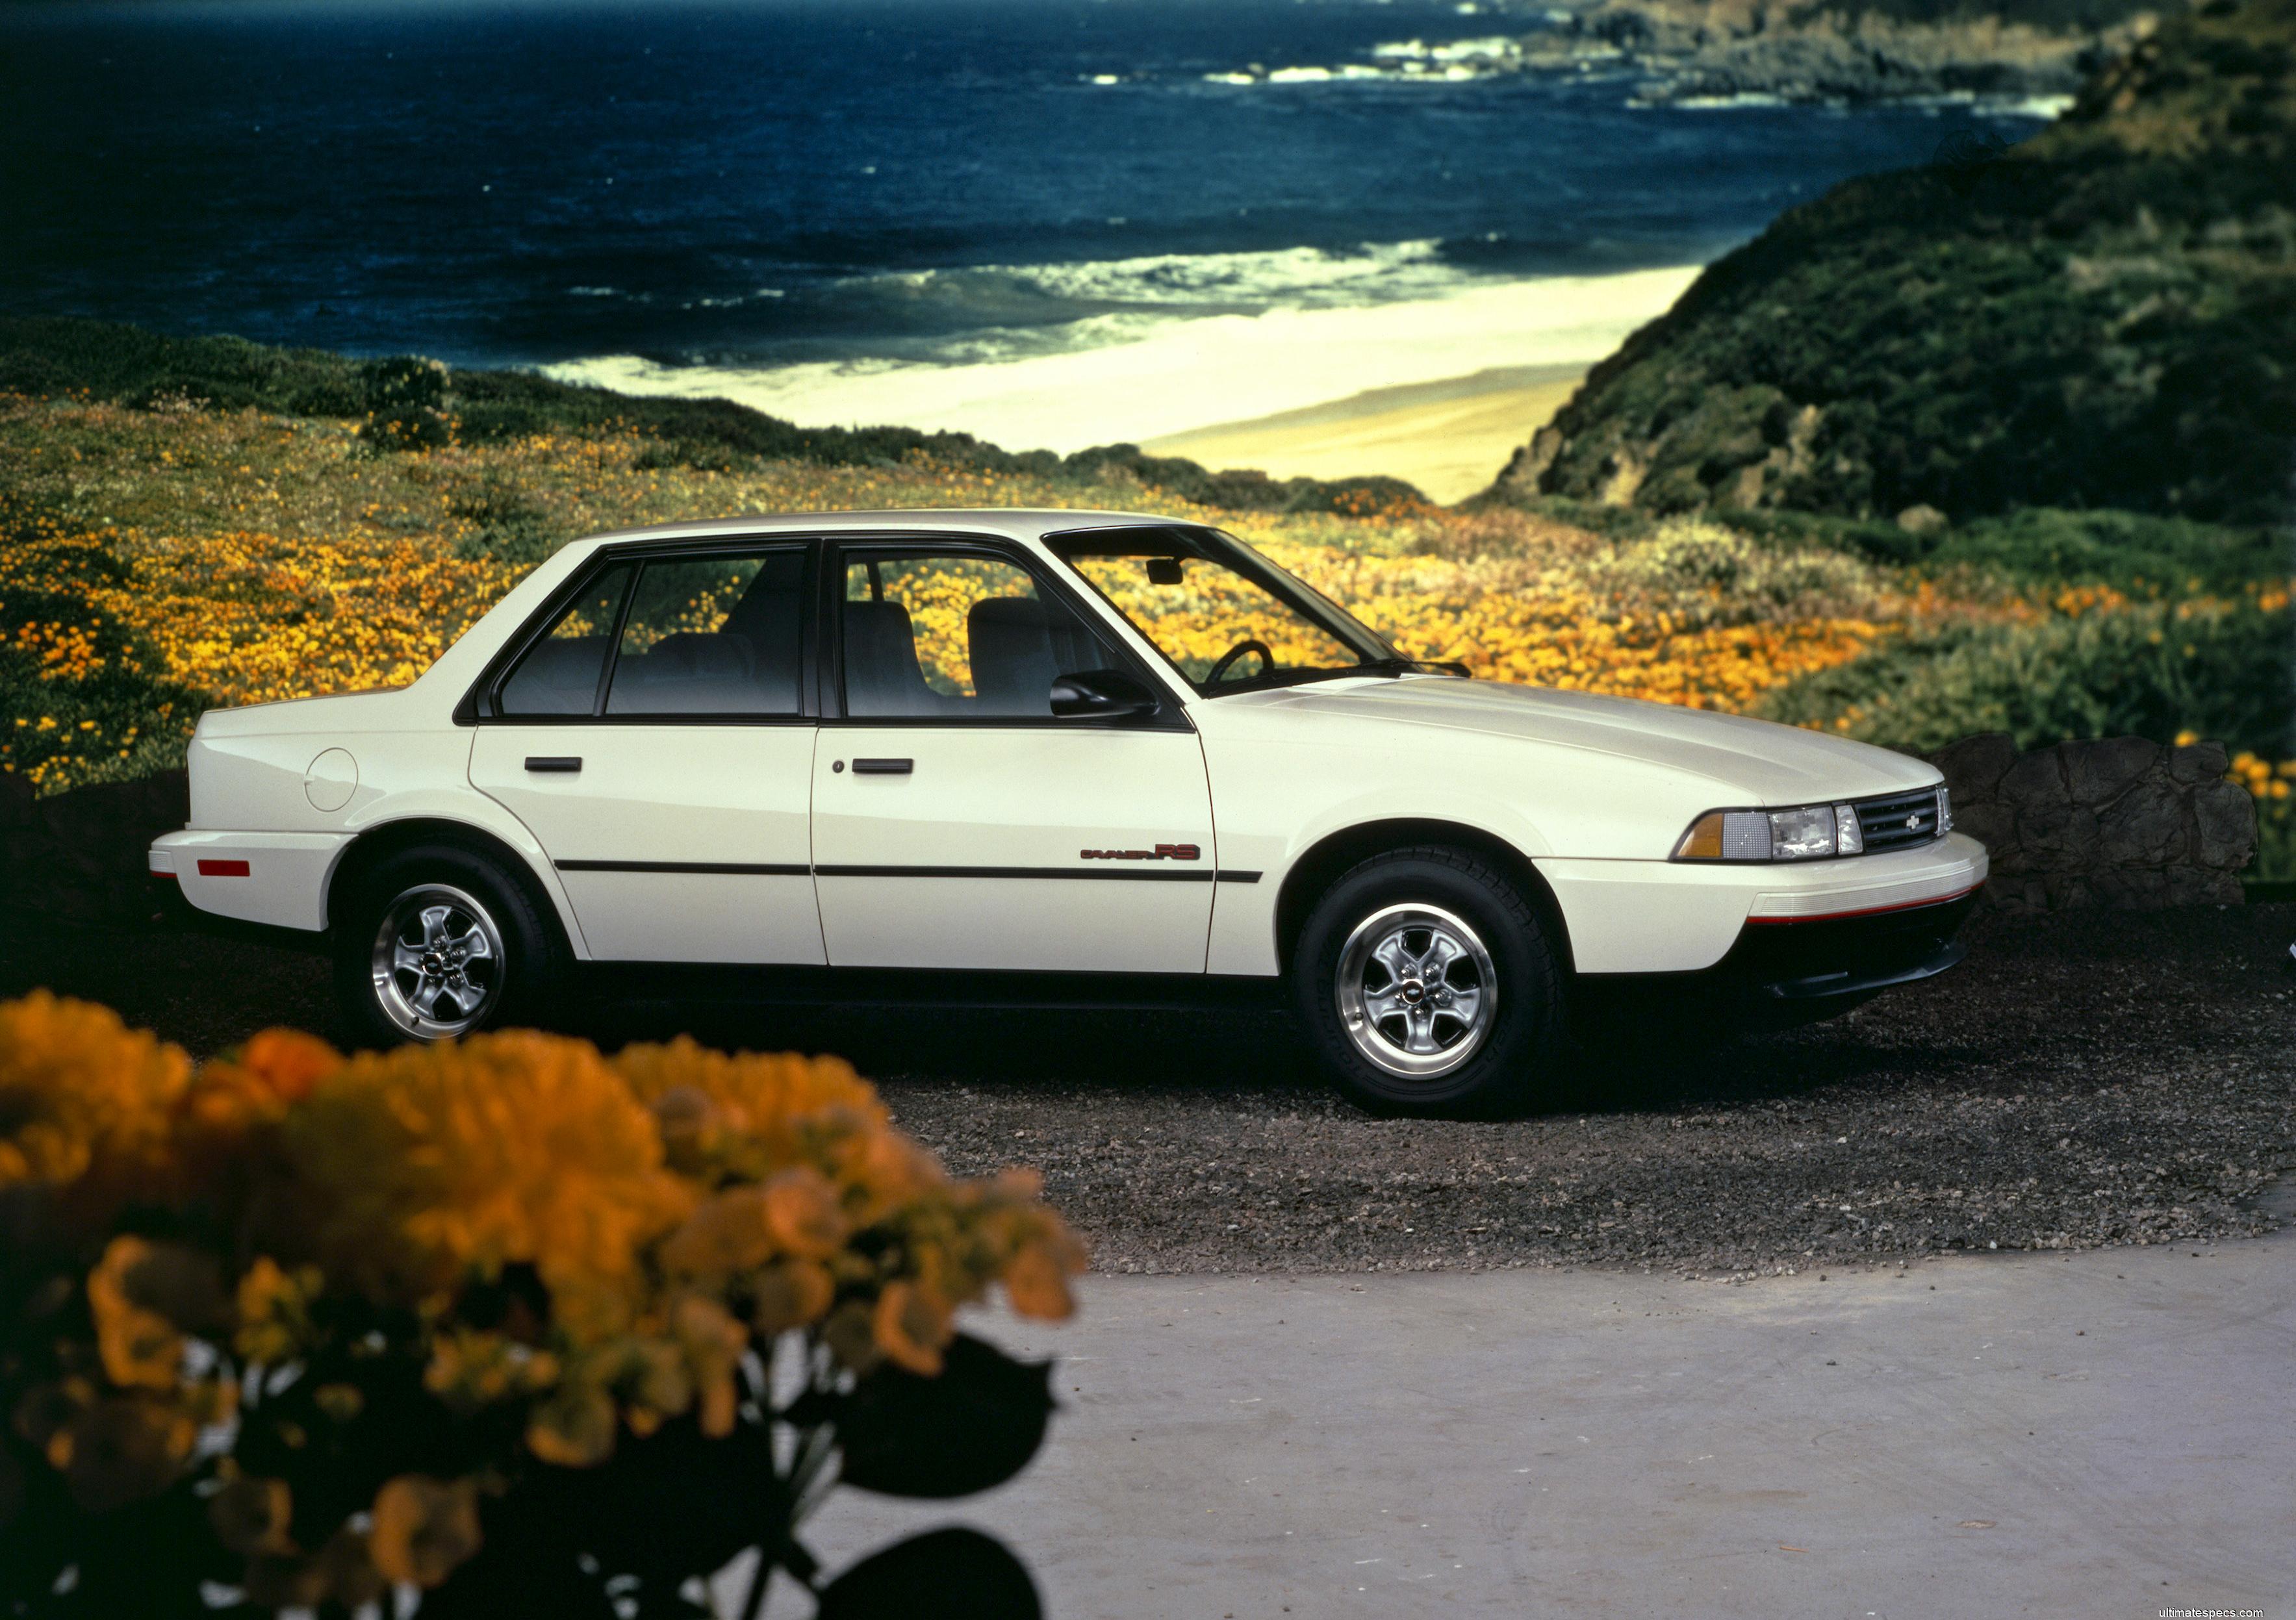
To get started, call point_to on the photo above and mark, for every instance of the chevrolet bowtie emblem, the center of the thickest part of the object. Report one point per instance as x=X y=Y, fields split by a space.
x=1913 y=822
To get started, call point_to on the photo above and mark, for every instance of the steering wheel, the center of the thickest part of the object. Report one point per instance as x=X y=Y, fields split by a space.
x=1252 y=644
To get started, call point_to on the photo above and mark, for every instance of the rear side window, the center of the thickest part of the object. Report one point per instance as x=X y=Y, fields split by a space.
x=712 y=635
x=560 y=673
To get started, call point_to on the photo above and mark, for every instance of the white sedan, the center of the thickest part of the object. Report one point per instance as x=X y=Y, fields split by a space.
x=1051 y=755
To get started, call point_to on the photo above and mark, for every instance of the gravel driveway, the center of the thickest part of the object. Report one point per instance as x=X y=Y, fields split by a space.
x=2081 y=1080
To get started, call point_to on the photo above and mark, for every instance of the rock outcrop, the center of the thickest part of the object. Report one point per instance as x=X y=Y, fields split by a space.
x=2121 y=822
x=2099 y=317
x=1704 y=50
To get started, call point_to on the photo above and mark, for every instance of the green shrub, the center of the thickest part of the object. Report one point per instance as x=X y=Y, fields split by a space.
x=2150 y=669
x=2127 y=549
x=406 y=404
x=2275 y=842
x=142 y=368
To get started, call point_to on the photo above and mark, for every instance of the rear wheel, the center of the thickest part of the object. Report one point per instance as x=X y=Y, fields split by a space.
x=437 y=942
x=1428 y=986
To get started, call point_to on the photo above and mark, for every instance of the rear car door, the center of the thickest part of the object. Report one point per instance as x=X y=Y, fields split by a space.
x=657 y=739
x=956 y=823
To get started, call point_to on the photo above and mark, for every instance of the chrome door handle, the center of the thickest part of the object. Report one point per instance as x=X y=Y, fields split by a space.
x=553 y=762
x=884 y=767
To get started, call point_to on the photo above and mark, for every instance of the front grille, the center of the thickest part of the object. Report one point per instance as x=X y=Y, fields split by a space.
x=1898 y=822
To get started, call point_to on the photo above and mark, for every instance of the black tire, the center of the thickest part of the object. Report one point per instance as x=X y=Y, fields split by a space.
x=528 y=953
x=1515 y=1060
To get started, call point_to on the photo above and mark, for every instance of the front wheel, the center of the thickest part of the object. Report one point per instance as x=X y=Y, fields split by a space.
x=1428 y=986
x=437 y=942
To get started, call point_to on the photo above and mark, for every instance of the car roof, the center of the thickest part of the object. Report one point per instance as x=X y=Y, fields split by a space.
x=1019 y=523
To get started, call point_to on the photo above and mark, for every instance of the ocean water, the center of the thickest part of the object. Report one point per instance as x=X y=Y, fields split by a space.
x=1051 y=222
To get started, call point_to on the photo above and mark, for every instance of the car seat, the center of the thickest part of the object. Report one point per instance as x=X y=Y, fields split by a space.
x=881 y=676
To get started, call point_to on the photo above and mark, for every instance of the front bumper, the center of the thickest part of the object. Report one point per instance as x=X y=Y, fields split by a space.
x=1824 y=959
x=1677 y=916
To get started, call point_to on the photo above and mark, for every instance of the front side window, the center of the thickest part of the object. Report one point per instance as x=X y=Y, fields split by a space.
x=956 y=635
x=1226 y=617
x=718 y=634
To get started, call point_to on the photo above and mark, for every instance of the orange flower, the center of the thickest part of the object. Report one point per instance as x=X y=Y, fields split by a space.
x=713 y=1343
x=1037 y=1281
x=251 y=1517
x=793 y=1294
x=428 y=1163
x=802 y=1214
x=123 y=1449
x=729 y=1232
x=274 y=1309
x=144 y=1296
x=84 y=1102
x=743 y=1114
x=910 y=1325
x=887 y=1170
x=851 y=1332
x=271 y=1070
x=424 y=1528
x=574 y=1429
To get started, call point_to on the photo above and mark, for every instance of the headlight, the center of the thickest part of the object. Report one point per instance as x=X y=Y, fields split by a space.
x=1807 y=832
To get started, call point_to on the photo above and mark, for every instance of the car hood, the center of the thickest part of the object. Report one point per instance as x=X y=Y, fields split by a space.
x=1758 y=761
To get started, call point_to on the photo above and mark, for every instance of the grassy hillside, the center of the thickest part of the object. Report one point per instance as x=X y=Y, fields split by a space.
x=402 y=398
x=2103 y=318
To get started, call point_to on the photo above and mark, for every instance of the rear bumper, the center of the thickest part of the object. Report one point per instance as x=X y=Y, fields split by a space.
x=277 y=878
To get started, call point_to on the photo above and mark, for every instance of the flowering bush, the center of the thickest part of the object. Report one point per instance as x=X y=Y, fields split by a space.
x=509 y=1321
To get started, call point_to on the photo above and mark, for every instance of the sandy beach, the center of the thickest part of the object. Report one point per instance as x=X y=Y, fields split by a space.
x=1450 y=438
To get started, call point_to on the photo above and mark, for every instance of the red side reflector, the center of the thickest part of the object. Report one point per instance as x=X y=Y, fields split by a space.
x=222 y=869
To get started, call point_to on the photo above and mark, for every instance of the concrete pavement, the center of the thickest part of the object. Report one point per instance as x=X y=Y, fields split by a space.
x=2108 y=1434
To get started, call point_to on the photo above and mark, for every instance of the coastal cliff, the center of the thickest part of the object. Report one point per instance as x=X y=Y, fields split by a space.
x=1705 y=51
x=2104 y=316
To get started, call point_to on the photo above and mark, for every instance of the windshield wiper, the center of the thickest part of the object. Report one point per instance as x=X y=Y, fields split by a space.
x=1393 y=668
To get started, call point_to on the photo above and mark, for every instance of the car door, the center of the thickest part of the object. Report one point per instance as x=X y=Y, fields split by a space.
x=956 y=823
x=656 y=738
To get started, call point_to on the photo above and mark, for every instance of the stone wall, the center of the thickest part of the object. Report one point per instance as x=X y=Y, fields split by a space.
x=2120 y=822
x=80 y=855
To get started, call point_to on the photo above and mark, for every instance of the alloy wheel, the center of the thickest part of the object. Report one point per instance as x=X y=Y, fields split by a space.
x=439 y=962
x=1416 y=990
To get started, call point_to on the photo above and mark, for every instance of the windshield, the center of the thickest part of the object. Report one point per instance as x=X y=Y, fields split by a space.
x=1226 y=617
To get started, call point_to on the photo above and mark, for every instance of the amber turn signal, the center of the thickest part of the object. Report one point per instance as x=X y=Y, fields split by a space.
x=1703 y=841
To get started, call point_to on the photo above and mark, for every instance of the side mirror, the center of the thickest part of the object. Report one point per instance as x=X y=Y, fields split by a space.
x=1099 y=694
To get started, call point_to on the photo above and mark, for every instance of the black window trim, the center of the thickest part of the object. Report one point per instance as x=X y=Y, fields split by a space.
x=481 y=704
x=1171 y=710
x=1297 y=595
